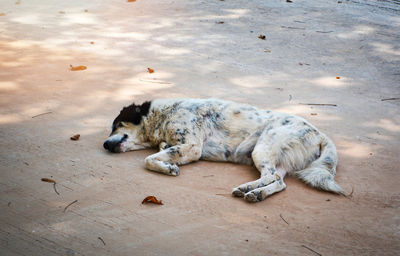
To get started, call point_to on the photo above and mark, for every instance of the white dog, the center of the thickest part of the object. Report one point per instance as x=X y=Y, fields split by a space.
x=187 y=130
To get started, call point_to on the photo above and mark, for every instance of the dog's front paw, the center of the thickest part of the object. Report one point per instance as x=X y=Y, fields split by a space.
x=173 y=170
x=253 y=196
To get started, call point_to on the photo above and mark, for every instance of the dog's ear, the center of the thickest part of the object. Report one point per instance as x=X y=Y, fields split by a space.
x=144 y=108
x=133 y=113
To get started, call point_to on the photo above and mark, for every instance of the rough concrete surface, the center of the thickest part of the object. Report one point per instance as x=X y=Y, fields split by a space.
x=345 y=53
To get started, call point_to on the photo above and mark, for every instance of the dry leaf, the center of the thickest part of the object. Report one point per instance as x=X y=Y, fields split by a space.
x=77 y=68
x=91 y=42
x=86 y=10
x=261 y=37
x=129 y=1
x=2 y=14
x=151 y=199
x=289 y=1
x=61 y=12
x=338 y=77
x=48 y=180
x=75 y=137
x=150 y=70
x=220 y=22
x=314 y=114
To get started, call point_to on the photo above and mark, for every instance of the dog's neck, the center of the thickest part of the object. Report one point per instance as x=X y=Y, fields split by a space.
x=152 y=127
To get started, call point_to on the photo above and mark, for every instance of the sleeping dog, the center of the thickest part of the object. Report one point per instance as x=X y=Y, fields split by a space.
x=186 y=130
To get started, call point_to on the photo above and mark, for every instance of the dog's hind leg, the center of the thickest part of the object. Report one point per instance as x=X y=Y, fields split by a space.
x=266 y=162
x=277 y=152
x=166 y=161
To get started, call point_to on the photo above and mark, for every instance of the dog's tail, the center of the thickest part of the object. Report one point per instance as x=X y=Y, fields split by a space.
x=321 y=172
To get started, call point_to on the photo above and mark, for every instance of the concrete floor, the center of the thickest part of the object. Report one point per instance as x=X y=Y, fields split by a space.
x=308 y=45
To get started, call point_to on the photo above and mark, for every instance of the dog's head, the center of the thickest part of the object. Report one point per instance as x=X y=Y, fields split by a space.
x=127 y=129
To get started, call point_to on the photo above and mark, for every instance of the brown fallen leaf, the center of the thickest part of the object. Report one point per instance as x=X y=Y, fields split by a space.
x=2 y=14
x=129 y=1
x=75 y=137
x=92 y=42
x=261 y=37
x=77 y=68
x=61 y=12
x=48 y=180
x=150 y=70
x=314 y=114
x=220 y=22
x=338 y=77
x=151 y=199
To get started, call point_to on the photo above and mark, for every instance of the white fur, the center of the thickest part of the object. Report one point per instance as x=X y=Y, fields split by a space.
x=187 y=130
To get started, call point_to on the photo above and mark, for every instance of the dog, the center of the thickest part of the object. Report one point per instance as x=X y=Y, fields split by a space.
x=188 y=130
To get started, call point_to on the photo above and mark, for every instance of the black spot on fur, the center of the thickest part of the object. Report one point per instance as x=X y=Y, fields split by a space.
x=272 y=170
x=227 y=153
x=262 y=184
x=287 y=120
x=174 y=152
x=328 y=162
x=132 y=114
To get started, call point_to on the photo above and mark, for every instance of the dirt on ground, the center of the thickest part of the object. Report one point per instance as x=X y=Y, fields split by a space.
x=344 y=53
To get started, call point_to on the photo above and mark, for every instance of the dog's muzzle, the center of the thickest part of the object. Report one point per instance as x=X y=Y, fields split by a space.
x=113 y=143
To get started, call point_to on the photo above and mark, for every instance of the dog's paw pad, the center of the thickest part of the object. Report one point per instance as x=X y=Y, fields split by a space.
x=253 y=197
x=237 y=192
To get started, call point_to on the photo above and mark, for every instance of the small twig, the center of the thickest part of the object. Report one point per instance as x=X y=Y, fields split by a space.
x=390 y=99
x=42 y=114
x=101 y=239
x=318 y=104
x=51 y=181
x=280 y=215
x=208 y=176
x=54 y=186
x=66 y=207
x=154 y=81
x=324 y=32
x=311 y=250
x=293 y=28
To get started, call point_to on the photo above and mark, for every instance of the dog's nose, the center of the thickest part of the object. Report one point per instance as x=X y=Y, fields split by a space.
x=106 y=145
